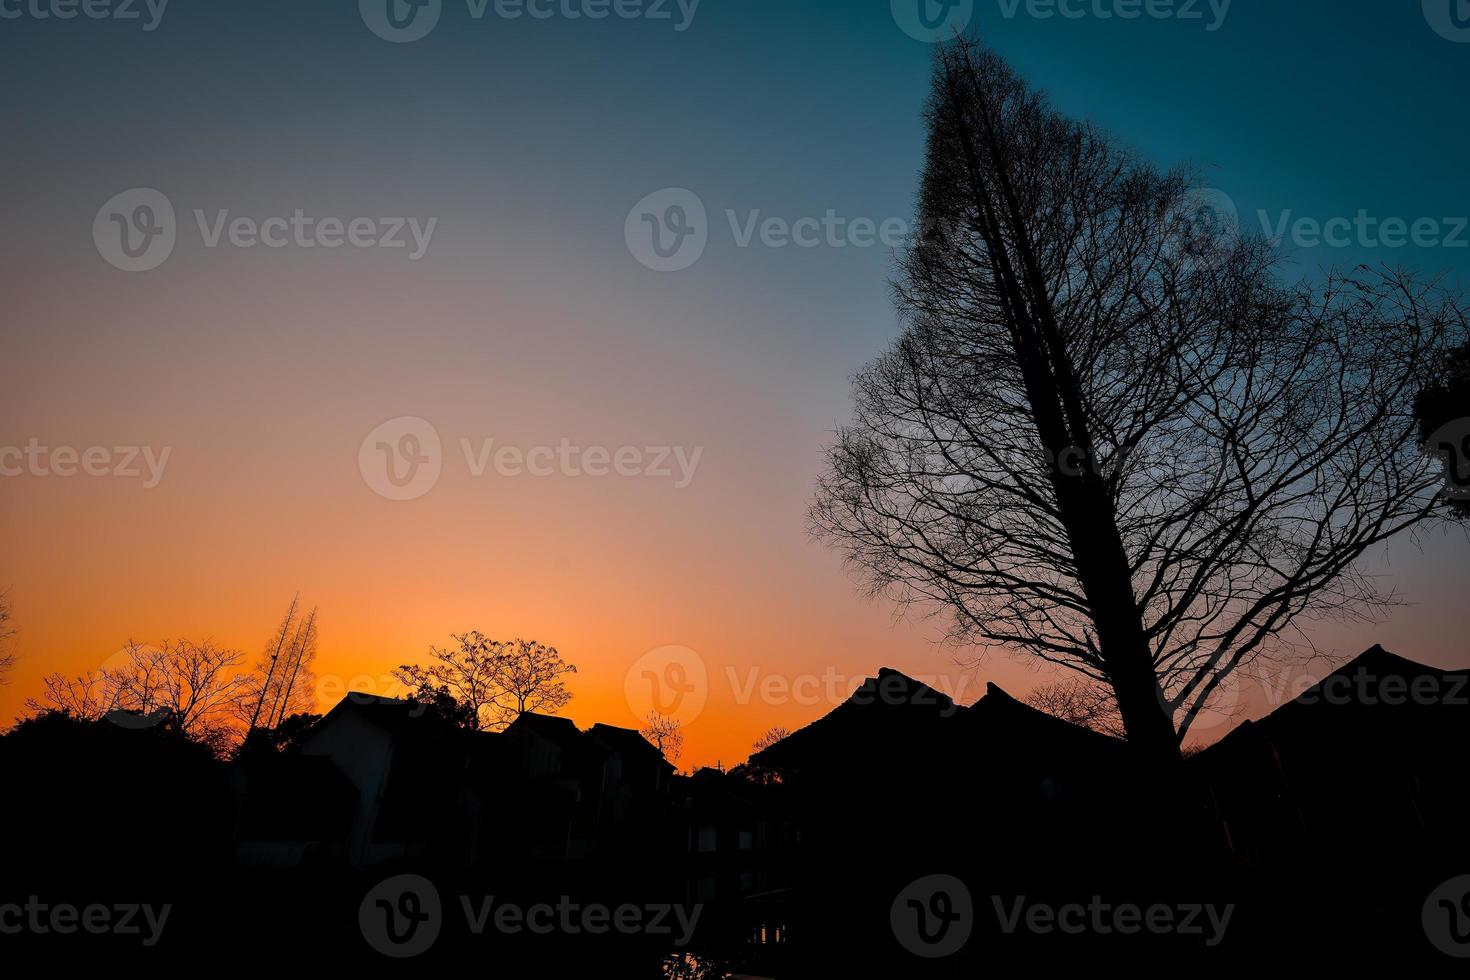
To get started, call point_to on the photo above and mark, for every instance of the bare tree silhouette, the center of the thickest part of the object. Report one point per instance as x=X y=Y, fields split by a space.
x=496 y=681
x=769 y=738
x=666 y=734
x=1080 y=702
x=84 y=697
x=195 y=683
x=1109 y=436
x=191 y=685
x=295 y=695
x=7 y=637
x=265 y=678
x=530 y=677
x=466 y=674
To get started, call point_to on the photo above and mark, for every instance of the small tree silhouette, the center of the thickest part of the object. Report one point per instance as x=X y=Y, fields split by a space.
x=495 y=681
x=666 y=734
x=769 y=738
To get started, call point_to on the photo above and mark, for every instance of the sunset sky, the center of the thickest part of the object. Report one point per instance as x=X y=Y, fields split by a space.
x=529 y=321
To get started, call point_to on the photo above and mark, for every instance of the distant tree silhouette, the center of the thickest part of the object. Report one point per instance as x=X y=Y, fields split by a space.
x=496 y=681
x=7 y=637
x=769 y=738
x=83 y=698
x=1109 y=436
x=440 y=706
x=1439 y=407
x=194 y=682
x=183 y=684
x=466 y=674
x=1080 y=702
x=530 y=676
x=758 y=774
x=666 y=734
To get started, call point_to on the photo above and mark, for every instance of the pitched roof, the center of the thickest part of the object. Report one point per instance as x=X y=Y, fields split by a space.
x=1367 y=697
x=629 y=742
x=390 y=713
x=560 y=730
x=892 y=715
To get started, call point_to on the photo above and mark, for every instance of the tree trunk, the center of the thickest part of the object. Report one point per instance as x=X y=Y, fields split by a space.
x=1083 y=501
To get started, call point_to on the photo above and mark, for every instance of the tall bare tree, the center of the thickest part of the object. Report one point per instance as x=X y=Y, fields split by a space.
x=294 y=695
x=1109 y=435
x=264 y=681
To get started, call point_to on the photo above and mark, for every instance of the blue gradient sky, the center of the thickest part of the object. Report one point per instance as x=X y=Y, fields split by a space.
x=530 y=321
